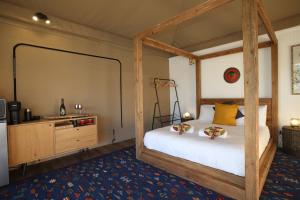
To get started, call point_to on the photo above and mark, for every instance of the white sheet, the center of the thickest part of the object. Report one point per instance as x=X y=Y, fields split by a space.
x=226 y=154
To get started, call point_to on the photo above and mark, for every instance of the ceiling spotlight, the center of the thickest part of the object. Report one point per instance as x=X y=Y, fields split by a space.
x=35 y=18
x=41 y=16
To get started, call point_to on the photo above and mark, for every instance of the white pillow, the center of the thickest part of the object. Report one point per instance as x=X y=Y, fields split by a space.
x=262 y=116
x=206 y=113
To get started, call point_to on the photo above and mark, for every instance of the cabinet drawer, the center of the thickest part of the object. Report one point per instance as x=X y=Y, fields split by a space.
x=85 y=131
x=88 y=141
x=87 y=136
x=65 y=140
x=75 y=138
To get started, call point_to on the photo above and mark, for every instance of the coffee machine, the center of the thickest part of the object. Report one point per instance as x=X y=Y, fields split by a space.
x=14 y=108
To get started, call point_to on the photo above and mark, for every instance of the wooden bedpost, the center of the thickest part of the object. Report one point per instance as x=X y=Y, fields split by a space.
x=139 y=109
x=250 y=55
x=274 y=57
x=198 y=86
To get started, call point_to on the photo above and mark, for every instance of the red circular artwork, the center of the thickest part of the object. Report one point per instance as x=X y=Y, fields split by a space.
x=231 y=75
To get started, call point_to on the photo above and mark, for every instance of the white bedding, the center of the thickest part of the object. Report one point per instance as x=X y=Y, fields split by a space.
x=226 y=154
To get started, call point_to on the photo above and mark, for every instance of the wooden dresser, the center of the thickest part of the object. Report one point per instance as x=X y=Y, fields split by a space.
x=32 y=141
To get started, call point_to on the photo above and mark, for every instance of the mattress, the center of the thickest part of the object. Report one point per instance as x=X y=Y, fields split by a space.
x=227 y=154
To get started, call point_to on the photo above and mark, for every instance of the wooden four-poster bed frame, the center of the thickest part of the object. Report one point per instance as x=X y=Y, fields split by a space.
x=256 y=169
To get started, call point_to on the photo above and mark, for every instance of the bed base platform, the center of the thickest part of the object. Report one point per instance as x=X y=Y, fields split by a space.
x=220 y=181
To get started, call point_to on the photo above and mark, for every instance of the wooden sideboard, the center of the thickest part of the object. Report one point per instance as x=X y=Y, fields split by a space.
x=32 y=141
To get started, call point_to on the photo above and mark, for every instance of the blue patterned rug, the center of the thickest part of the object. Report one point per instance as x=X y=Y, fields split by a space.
x=120 y=176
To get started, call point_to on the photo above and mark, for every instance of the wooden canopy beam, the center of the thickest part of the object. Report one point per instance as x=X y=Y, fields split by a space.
x=251 y=85
x=184 y=16
x=266 y=21
x=231 y=51
x=168 y=48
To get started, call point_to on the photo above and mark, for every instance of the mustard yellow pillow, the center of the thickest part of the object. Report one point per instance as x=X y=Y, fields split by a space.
x=225 y=114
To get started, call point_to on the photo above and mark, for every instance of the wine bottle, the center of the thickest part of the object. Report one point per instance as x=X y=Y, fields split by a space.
x=62 y=109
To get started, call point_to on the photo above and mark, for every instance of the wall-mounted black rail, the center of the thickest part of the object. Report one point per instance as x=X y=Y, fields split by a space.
x=64 y=51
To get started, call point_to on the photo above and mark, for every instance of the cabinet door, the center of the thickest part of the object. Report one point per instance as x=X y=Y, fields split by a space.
x=87 y=136
x=30 y=142
x=65 y=140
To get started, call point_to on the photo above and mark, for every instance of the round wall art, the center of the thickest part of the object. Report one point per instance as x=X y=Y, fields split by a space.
x=231 y=75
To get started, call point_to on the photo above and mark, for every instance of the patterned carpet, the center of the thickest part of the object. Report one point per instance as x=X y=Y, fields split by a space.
x=120 y=176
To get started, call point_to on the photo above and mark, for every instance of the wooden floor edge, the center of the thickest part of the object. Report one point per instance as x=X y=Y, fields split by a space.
x=220 y=186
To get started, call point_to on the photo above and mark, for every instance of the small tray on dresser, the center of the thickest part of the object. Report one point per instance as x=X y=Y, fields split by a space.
x=291 y=140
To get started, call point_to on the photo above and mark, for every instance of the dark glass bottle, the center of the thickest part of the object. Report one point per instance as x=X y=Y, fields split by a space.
x=62 y=109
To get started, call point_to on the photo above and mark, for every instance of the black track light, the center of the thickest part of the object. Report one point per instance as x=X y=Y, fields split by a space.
x=41 y=16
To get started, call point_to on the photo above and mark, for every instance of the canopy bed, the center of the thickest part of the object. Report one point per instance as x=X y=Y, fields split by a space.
x=256 y=162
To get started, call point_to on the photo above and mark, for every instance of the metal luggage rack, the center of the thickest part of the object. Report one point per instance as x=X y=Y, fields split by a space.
x=165 y=119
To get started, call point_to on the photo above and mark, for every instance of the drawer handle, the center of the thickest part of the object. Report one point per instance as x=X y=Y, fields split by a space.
x=77 y=140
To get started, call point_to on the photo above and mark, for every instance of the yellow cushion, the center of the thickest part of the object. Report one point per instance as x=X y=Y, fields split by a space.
x=225 y=114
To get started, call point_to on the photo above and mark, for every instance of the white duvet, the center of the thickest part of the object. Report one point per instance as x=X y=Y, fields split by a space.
x=226 y=154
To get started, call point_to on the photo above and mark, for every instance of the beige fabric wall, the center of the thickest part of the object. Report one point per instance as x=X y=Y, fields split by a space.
x=44 y=77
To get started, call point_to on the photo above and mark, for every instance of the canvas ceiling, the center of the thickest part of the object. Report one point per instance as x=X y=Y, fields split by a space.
x=126 y=18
